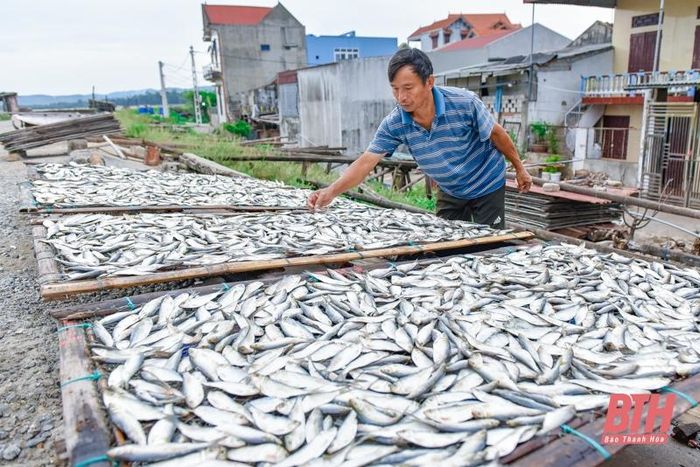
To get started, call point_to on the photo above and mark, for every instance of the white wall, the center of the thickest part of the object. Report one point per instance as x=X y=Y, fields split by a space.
x=343 y=104
x=558 y=86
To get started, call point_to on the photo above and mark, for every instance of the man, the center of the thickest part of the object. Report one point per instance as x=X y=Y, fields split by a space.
x=452 y=137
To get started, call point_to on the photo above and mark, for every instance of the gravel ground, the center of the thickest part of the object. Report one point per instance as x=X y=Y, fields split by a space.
x=30 y=400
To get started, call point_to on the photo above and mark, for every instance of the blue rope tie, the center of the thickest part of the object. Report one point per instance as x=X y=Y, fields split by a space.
x=693 y=402
x=81 y=325
x=95 y=460
x=601 y=450
x=48 y=209
x=130 y=304
x=91 y=377
x=225 y=287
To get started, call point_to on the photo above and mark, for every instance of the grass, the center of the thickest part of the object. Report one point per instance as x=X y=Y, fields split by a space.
x=4 y=116
x=220 y=147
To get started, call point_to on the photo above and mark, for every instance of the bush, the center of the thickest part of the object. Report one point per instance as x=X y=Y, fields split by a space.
x=539 y=129
x=240 y=128
x=136 y=130
x=552 y=166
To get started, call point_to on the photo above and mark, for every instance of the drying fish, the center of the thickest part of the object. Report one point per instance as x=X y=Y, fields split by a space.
x=450 y=362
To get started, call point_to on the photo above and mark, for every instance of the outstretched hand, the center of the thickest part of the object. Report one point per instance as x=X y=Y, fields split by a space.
x=319 y=199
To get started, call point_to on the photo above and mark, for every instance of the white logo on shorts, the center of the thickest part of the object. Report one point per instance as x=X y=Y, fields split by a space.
x=498 y=220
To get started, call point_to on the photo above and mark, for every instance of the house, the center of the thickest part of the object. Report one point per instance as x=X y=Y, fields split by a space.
x=248 y=47
x=523 y=88
x=460 y=26
x=498 y=45
x=342 y=103
x=328 y=49
x=647 y=105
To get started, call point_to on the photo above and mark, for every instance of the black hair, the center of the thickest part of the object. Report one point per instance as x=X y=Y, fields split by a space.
x=415 y=58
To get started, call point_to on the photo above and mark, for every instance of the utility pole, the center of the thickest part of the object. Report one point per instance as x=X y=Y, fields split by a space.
x=197 y=105
x=163 y=94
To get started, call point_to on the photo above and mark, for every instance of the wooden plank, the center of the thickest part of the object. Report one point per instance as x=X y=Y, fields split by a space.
x=58 y=290
x=372 y=198
x=49 y=271
x=570 y=450
x=85 y=426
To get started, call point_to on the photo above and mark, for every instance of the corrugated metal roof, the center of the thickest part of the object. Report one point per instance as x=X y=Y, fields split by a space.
x=522 y=62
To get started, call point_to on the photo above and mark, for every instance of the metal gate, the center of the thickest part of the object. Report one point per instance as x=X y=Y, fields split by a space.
x=671 y=164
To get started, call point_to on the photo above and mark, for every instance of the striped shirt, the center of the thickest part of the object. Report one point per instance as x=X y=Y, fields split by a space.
x=457 y=152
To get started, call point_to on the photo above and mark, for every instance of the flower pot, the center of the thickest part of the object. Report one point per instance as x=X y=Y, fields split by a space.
x=545 y=176
x=537 y=147
x=555 y=177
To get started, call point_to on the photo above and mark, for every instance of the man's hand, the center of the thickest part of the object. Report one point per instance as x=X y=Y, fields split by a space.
x=524 y=180
x=319 y=199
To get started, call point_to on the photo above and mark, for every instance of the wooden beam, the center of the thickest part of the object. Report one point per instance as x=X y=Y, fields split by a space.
x=85 y=427
x=317 y=158
x=58 y=290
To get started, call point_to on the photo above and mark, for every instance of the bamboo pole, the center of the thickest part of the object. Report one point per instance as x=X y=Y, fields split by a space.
x=165 y=208
x=207 y=166
x=380 y=175
x=317 y=158
x=55 y=291
x=48 y=269
x=26 y=199
x=85 y=426
x=627 y=200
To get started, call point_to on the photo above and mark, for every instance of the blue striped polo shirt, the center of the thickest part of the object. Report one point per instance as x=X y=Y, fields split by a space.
x=457 y=152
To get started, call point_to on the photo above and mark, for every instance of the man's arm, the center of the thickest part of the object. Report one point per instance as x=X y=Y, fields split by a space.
x=500 y=139
x=350 y=178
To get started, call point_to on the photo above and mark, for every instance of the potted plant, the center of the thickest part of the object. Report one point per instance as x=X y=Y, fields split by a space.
x=553 y=170
x=539 y=130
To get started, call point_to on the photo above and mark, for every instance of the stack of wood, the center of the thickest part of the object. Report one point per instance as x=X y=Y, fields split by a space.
x=75 y=128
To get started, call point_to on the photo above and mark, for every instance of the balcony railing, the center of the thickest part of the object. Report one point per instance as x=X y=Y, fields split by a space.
x=212 y=72
x=678 y=83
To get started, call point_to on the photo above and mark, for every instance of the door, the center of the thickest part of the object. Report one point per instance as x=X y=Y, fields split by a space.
x=615 y=130
x=642 y=47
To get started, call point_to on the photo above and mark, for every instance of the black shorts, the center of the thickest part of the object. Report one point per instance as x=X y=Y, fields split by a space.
x=489 y=209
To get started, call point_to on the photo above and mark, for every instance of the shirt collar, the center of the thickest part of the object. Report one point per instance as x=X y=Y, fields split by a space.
x=439 y=101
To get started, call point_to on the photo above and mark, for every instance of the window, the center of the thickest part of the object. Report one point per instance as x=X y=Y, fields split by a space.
x=435 y=41
x=642 y=48
x=345 y=54
x=645 y=20
x=446 y=35
x=264 y=47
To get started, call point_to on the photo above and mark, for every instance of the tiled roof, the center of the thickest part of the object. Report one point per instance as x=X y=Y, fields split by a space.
x=235 y=14
x=483 y=24
x=474 y=42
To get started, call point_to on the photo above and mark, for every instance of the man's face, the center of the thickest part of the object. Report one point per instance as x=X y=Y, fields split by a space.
x=409 y=91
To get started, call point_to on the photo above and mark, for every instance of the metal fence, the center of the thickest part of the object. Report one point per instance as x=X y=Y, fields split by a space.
x=670 y=159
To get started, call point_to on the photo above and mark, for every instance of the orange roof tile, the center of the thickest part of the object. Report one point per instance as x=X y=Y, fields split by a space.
x=483 y=24
x=474 y=42
x=235 y=14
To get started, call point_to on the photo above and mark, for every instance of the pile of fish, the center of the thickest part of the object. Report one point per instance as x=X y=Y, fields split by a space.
x=453 y=363
x=94 y=245
x=85 y=185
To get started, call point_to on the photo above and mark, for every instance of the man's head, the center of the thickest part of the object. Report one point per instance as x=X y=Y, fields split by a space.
x=411 y=78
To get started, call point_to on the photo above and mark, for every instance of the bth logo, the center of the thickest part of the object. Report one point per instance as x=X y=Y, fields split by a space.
x=624 y=421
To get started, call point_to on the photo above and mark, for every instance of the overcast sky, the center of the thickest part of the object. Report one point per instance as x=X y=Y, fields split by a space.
x=66 y=46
